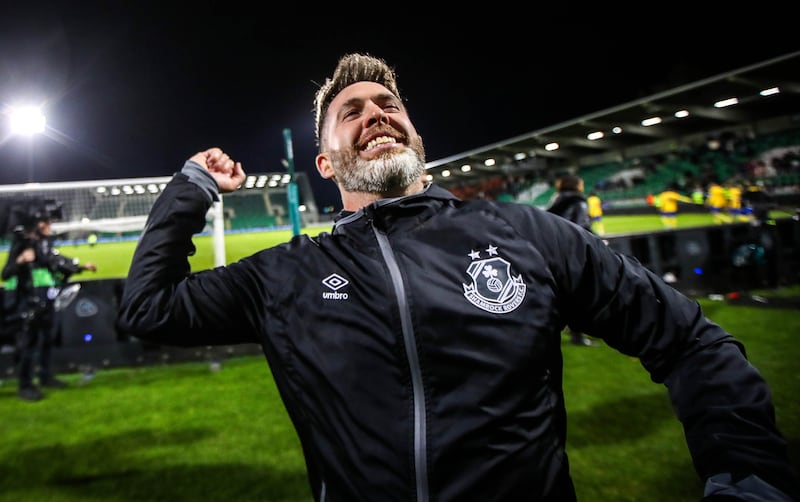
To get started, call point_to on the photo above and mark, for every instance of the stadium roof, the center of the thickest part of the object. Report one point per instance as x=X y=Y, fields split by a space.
x=756 y=107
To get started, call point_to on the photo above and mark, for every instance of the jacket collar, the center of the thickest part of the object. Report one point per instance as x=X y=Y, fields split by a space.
x=430 y=193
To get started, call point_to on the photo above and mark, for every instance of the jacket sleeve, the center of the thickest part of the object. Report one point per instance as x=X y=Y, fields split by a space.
x=62 y=267
x=163 y=300
x=720 y=398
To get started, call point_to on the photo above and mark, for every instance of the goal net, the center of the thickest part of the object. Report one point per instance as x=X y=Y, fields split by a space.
x=118 y=208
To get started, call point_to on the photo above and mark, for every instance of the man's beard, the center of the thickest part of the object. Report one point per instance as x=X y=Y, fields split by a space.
x=389 y=172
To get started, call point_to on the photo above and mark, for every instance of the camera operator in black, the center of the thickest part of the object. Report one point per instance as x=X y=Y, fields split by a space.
x=33 y=275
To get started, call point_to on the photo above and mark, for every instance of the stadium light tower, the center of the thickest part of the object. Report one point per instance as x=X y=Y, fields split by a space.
x=27 y=121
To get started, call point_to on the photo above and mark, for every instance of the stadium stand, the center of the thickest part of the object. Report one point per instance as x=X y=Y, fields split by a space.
x=697 y=136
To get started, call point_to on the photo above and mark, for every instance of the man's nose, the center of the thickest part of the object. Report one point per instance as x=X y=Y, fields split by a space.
x=376 y=115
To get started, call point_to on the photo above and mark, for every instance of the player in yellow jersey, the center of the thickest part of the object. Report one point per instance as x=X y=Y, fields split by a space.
x=669 y=205
x=596 y=213
x=735 y=208
x=717 y=203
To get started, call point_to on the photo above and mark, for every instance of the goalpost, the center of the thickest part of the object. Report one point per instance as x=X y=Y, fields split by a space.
x=111 y=208
x=117 y=209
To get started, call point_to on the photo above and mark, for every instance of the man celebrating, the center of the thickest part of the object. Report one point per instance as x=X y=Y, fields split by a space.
x=417 y=346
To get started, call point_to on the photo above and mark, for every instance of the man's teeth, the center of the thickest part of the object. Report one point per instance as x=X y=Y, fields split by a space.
x=379 y=141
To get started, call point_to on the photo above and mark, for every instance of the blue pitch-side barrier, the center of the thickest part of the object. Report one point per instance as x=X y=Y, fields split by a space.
x=701 y=261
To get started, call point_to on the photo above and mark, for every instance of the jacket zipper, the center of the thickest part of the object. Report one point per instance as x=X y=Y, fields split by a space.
x=420 y=426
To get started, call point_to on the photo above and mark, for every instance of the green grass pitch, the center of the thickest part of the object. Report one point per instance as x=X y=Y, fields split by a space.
x=189 y=431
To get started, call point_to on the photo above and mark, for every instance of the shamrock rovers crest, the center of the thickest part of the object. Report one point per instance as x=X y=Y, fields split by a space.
x=493 y=288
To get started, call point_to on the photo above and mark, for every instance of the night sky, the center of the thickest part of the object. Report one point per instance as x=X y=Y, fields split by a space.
x=131 y=90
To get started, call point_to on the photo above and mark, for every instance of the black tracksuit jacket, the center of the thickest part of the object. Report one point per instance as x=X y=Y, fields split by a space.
x=417 y=346
x=572 y=206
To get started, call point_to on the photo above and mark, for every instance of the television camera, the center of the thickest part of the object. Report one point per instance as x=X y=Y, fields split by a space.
x=20 y=215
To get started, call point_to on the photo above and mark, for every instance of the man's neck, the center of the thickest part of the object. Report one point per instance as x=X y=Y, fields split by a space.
x=353 y=201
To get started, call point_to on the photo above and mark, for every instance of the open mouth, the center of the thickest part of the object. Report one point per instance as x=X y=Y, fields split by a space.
x=379 y=141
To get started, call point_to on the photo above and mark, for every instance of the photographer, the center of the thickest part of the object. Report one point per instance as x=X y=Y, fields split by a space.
x=33 y=276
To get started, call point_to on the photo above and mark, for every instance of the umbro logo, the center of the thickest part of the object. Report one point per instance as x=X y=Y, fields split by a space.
x=335 y=282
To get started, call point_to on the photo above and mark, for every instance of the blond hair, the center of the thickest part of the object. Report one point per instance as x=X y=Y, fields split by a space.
x=351 y=68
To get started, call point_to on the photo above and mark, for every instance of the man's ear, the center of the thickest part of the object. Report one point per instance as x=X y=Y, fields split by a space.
x=324 y=166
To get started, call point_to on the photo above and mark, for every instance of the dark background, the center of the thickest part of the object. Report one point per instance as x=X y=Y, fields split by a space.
x=131 y=89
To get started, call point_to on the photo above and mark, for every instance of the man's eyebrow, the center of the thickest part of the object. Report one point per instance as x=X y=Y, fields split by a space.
x=382 y=97
x=386 y=96
x=355 y=101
